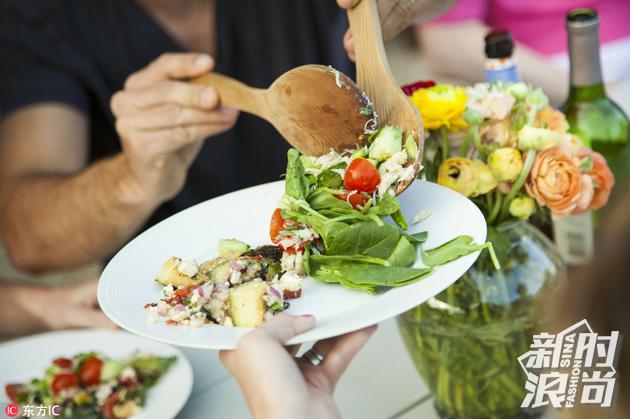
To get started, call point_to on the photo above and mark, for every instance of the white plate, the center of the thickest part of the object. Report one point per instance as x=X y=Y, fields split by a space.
x=127 y=282
x=27 y=358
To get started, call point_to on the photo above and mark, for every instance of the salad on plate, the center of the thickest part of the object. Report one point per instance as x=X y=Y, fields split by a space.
x=339 y=222
x=89 y=385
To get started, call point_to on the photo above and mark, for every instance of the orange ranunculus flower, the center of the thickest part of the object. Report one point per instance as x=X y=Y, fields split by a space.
x=551 y=119
x=441 y=106
x=555 y=181
x=603 y=179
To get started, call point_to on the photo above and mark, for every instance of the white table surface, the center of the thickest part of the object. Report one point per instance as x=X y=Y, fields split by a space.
x=380 y=383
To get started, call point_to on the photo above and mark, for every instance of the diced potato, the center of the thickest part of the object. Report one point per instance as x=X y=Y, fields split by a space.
x=169 y=274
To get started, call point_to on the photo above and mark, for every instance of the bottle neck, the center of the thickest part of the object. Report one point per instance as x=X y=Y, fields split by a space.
x=586 y=69
x=587 y=93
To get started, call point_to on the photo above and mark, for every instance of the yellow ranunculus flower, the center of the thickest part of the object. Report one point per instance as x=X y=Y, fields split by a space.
x=485 y=179
x=522 y=207
x=458 y=174
x=505 y=164
x=441 y=106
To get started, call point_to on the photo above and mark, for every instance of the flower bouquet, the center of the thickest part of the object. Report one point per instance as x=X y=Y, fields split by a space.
x=506 y=149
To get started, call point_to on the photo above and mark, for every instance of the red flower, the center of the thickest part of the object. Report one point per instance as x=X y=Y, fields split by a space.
x=412 y=87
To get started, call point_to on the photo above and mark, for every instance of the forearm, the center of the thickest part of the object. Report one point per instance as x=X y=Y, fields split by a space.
x=465 y=61
x=55 y=222
x=15 y=318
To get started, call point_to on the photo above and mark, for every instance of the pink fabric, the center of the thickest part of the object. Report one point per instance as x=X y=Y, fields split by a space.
x=539 y=24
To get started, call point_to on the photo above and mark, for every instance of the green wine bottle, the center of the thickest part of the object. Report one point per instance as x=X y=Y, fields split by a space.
x=598 y=121
x=595 y=118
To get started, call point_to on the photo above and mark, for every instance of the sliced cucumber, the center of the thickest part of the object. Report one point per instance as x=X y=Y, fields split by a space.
x=111 y=370
x=362 y=152
x=387 y=142
x=232 y=247
x=247 y=307
x=220 y=273
x=411 y=147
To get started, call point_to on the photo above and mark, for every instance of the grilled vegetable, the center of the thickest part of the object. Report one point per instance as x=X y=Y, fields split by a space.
x=170 y=275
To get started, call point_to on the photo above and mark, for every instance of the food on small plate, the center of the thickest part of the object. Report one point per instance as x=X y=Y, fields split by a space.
x=90 y=385
x=240 y=287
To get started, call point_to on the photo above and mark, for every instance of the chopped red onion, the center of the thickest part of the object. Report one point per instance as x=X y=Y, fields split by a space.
x=236 y=266
x=275 y=292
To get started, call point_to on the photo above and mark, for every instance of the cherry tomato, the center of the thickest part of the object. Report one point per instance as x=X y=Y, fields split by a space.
x=63 y=362
x=107 y=408
x=64 y=380
x=362 y=176
x=276 y=226
x=287 y=295
x=13 y=391
x=357 y=200
x=90 y=372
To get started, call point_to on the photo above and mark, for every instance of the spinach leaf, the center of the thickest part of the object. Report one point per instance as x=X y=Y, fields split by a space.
x=454 y=249
x=296 y=184
x=404 y=254
x=322 y=199
x=380 y=276
x=417 y=238
x=365 y=238
x=386 y=205
x=399 y=219
x=339 y=259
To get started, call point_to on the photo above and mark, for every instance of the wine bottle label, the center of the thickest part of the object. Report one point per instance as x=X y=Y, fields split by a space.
x=574 y=238
x=502 y=69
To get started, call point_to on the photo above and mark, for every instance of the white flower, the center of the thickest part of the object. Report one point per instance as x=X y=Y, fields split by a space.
x=491 y=102
x=532 y=138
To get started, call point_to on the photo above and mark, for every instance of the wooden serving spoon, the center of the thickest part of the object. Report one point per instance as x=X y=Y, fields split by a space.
x=314 y=107
x=375 y=78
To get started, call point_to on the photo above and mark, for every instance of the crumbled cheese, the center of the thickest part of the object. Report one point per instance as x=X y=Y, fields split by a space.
x=178 y=316
x=194 y=297
x=197 y=319
x=290 y=281
x=127 y=373
x=103 y=392
x=235 y=277
x=188 y=267
x=288 y=261
x=167 y=291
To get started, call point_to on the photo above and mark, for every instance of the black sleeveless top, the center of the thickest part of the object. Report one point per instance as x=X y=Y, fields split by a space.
x=79 y=52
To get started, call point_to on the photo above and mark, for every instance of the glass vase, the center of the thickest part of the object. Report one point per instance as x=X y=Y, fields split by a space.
x=465 y=341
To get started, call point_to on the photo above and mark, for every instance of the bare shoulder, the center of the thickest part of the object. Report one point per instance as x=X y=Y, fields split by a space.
x=45 y=137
